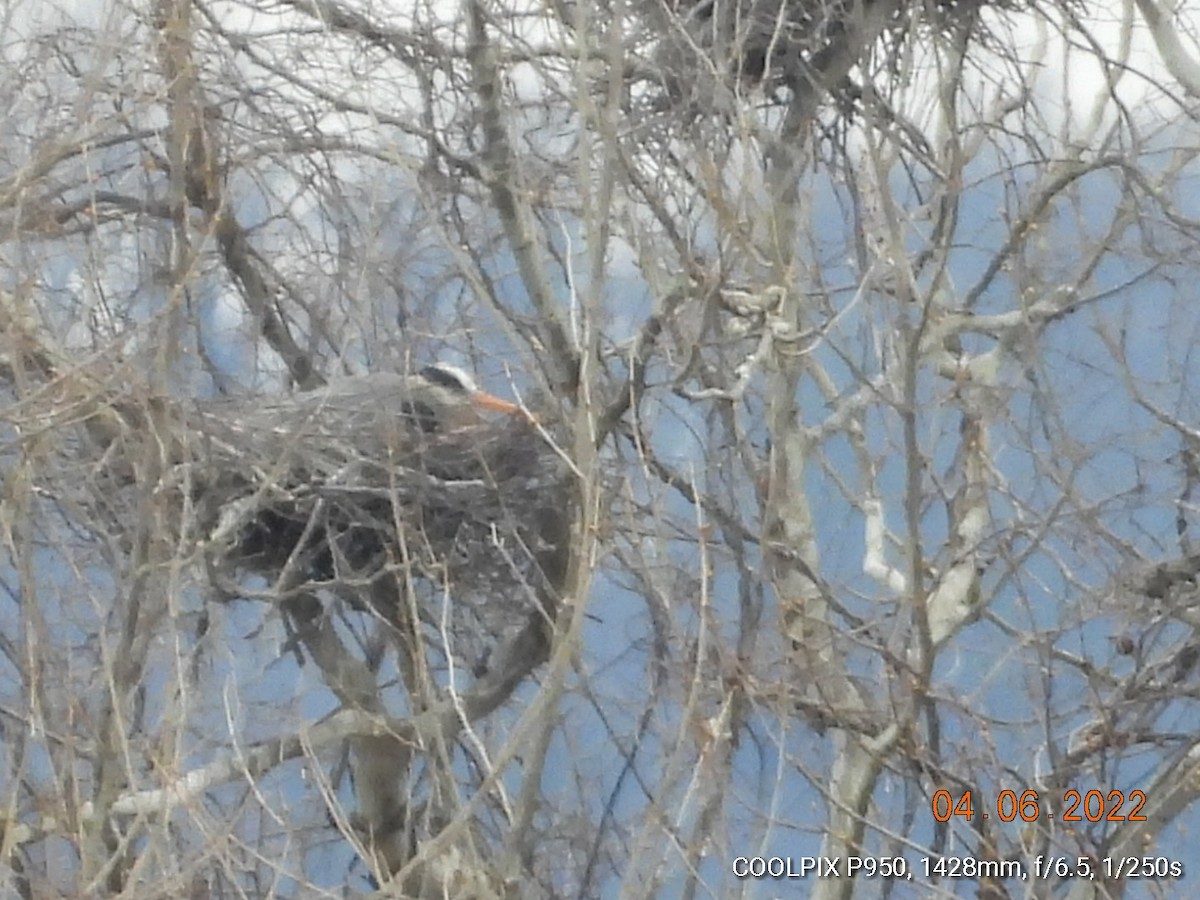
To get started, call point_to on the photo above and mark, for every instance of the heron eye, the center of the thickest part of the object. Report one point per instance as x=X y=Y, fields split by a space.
x=420 y=413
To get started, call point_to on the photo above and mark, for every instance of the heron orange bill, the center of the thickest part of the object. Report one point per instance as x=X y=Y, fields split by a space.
x=488 y=401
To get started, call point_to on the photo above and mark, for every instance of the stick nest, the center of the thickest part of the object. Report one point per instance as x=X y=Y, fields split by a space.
x=343 y=485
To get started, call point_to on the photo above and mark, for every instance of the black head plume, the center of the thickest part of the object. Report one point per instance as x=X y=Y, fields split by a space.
x=450 y=377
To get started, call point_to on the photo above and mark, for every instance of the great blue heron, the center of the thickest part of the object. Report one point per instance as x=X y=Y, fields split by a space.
x=336 y=481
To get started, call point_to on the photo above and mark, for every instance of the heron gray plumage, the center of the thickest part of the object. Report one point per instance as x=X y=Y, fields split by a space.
x=378 y=419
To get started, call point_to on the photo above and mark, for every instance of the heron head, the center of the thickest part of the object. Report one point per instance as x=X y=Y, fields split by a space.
x=447 y=396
